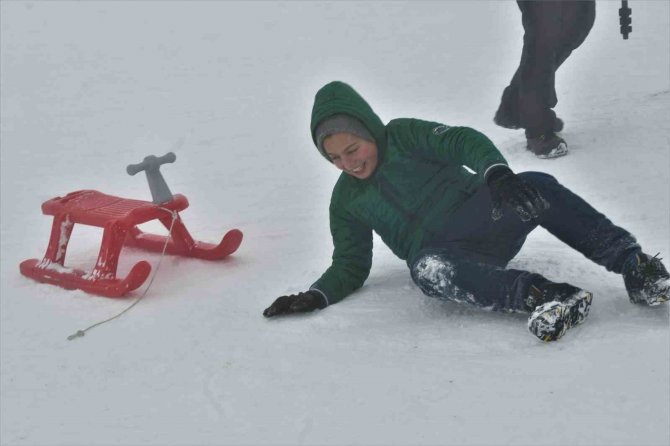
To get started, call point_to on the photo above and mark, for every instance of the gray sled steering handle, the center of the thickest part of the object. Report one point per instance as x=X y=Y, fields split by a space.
x=151 y=164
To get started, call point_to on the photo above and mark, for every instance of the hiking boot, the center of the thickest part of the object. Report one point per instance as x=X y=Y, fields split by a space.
x=646 y=279
x=557 y=308
x=548 y=145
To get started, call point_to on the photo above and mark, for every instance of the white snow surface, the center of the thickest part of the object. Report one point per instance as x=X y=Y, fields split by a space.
x=90 y=87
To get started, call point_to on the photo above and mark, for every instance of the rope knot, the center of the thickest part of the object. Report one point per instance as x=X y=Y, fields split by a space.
x=78 y=334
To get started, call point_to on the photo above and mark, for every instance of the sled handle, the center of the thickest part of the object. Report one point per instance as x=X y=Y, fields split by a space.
x=151 y=162
x=151 y=166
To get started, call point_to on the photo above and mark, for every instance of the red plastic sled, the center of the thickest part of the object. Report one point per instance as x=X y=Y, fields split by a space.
x=119 y=217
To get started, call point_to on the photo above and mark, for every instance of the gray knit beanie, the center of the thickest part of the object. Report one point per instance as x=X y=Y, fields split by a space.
x=340 y=123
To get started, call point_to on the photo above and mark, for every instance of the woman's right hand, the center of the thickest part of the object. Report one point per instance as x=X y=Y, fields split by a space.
x=295 y=303
x=508 y=189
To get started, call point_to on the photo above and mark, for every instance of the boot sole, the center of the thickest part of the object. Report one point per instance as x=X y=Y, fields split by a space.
x=550 y=321
x=560 y=150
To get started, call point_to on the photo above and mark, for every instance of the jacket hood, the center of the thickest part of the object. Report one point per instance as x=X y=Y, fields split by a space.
x=336 y=98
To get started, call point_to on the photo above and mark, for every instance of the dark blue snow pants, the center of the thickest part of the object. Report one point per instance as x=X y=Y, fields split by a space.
x=467 y=261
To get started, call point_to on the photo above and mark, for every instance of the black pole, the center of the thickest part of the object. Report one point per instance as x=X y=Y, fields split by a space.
x=624 y=19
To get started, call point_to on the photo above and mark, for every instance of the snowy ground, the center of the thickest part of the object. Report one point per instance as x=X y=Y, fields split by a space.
x=89 y=87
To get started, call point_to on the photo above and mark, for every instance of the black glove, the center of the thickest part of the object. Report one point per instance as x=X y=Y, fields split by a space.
x=507 y=189
x=295 y=303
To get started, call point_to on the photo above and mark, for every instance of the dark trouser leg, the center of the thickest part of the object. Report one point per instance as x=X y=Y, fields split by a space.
x=577 y=21
x=552 y=30
x=578 y=18
x=542 y=22
x=467 y=262
x=453 y=276
x=576 y=223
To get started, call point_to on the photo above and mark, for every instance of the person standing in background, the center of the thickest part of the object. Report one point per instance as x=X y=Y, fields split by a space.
x=552 y=30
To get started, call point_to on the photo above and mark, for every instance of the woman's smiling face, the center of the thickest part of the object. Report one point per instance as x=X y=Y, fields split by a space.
x=354 y=155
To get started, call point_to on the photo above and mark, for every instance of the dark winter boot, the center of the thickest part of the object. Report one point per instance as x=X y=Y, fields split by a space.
x=548 y=145
x=647 y=281
x=557 y=307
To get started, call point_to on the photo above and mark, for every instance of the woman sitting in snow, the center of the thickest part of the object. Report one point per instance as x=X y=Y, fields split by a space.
x=457 y=230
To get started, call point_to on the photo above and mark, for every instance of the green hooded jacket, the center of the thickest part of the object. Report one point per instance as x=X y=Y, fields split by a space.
x=419 y=181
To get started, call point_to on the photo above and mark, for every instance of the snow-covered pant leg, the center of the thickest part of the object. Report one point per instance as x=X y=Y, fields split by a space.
x=448 y=275
x=579 y=225
x=466 y=262
x=552 y=30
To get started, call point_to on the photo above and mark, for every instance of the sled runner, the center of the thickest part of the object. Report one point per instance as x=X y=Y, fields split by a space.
x=119 y=218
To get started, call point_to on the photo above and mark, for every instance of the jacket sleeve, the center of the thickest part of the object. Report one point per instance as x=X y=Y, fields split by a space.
x=352 y=257
x=443 y=144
